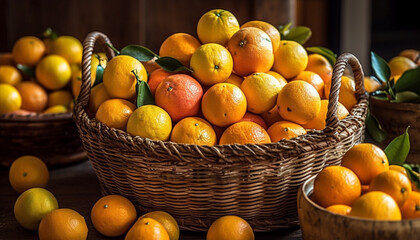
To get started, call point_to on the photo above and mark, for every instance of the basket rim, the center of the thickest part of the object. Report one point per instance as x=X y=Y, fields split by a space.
x=395 y=105
x=36 y=117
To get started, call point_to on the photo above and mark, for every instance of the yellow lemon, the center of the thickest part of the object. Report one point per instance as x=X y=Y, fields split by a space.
x=10 y=98
x=68 y=47
x=150 y=121
x=217 y=26
x=53 y=72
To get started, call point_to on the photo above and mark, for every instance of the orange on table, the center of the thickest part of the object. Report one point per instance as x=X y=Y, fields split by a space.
x=6 y=59
x=279 y=77
x=299 y=102
x=272 y=116
x=371 y=84
x=147 y=228
x=98 y=95
x=56 y=109
x=394 y=183
x=376 y=205
x=320 y=65
x=412 y=54
x=53 y=72
x=68 y=47
x=245 y=133
x=313 y=79
x=251 y=51
x=271 y=31
x=366 y=160
x=179 y=95
x=211 y=63
x=150 y=121
x=399 y=64
x=194 y=130
x=28 y=172
x=285 y=130
x=63 y=224
x=168 y=222
x=180 y=46
x=156 y=77
x=411 y=207
x=347 y=94
x=223 y=104
x=290 y=59
x=235 y=79
x=261 y=90
x=217 y=26
x=60 y=97
x=28 y=50
x=113 y=215
x=10 y=98
x=34 y=97
x=336 y=185
x=230 y=228
x=10 y=75
x=115 y=113
x=252 y=117
x=118 y=78
x=319 y=121
x=339 y=209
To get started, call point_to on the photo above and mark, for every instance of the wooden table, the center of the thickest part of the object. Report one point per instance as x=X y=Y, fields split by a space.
x=77 y=187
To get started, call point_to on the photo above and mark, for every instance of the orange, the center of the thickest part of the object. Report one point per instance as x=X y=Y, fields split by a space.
x=56 y=109
x=319 y=121
x=271 y=116
x=53 y=72
x=347 y=94
x=285 y=130
x=6 y=59
x=336 y=185
x=251 y=51
x=147 y=228
x=235 y=79
x=63 y=224
x=223 y=104
x=376 y=205
x=179 y=95
x=118 y=78
x=279 y=77
x=320 y=65
x=366 y=160
x=230 y=228
x=113 y=215
x=156 y=77
x=399 y=64
x=299 y=102
x=244 y=133
x=180 y=46
x=115 y=113
x=98 y=95
x=194 y=130
x=411 y=207
x=28 y=50
x=211 y=63
x=261 y=90
x=61 y=97
x=290 y=59
x=68 y=47
x=10 y=98
x=313 y=79
x=150 y=65
x=168 y=222
x=371 y=84
x=10 y=75
x=403 y=171
x=34 y=97
x=271 y=31
x=412 y=54
x=251 y=117
x=150 y=121
x=395 y=184
x=32 y=205
x=217 y=26
x=28 y=172
x=339 y=209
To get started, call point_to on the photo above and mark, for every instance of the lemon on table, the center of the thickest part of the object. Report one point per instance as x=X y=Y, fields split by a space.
x=32 y=205
x=28 y=172
x=10 y=98
x=168 y=222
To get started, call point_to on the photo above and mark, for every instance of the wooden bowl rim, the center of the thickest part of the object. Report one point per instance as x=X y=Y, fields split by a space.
x=36 y=117
x=394 y=105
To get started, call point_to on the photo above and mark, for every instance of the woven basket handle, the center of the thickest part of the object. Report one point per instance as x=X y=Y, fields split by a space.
x=88 y=46
x=340 y=65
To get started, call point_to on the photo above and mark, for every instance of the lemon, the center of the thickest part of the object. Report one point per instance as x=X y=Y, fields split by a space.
x=68 y=47
x=10 y=99
x=53 y=72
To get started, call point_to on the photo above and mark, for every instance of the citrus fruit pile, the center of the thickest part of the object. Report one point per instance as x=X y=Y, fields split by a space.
x=40 y=76
x=238 y=85
x=366 y=186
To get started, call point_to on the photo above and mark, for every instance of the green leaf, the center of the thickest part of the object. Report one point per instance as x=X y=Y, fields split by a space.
x=28 y=71
x=50 y=34
x=406 y=96
x=99 y=73
x=414 y=176
x=284 y=30
x=380 y=67
x=170 y=64
x=380 y=95
x=144 y=95
x=298 y=34
x=327 y=53
x=397 y=150
x=374 y=128
x=409 y=81
x=140 y=53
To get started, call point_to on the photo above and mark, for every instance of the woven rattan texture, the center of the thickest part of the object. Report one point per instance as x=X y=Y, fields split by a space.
x=198 y=184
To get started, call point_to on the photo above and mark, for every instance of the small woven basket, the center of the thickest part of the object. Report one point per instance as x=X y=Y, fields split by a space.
x=51 y=137
x=198 y=184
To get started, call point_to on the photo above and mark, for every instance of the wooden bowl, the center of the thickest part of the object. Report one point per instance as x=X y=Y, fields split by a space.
x=318 y=223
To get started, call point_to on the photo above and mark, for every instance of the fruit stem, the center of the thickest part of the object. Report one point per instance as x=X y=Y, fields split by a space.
x=113 y=48
x=134 y=71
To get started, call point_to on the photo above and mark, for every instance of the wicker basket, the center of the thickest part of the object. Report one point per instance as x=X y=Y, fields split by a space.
x=198 y=184
x=51 y=137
